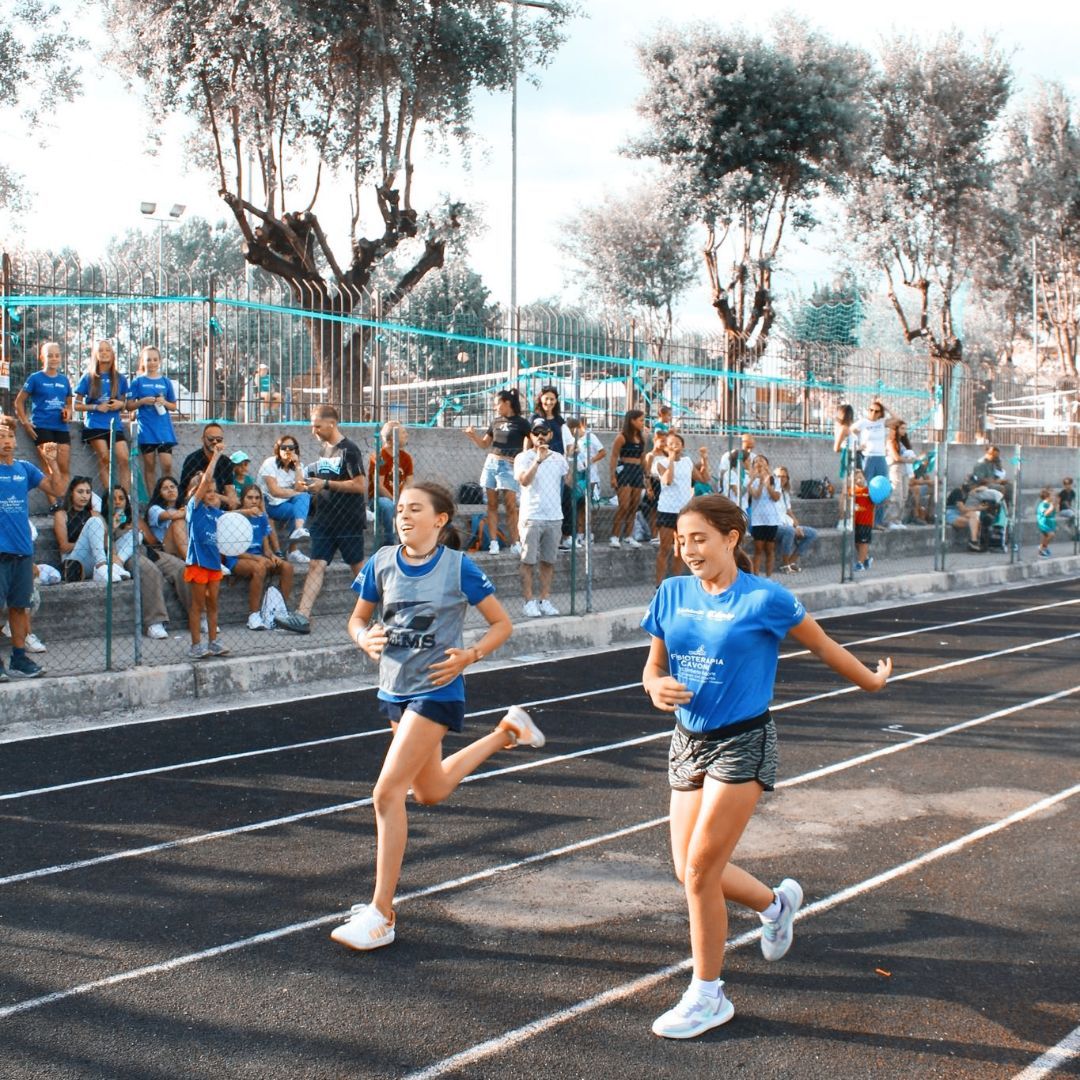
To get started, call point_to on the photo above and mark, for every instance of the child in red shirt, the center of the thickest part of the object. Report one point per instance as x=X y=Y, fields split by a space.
x=864 y=522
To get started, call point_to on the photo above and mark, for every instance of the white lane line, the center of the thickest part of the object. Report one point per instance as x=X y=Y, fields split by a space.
x=1054 y=1058
x=479 y=875
x=176 y=767
x=354 y=804
x=515 y=1037
x=289 y=747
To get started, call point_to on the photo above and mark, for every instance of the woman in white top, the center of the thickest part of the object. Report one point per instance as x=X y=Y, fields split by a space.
x=676 y=475
x=871 y=433
x=766 y=511
x=288 y=502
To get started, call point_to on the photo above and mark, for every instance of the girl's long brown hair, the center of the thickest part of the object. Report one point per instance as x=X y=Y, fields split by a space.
x=725 y=517
x=95 y=375
x=628 y=432
x=442 y=502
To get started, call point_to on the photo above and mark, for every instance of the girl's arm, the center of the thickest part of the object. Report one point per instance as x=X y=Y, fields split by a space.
x=616 y=449
x=61 y=533
x=483 y=441
x=842 y=434
x=666 y=692
x=457 y=660
x=207 y=478
x=371 y=639
x=809 y=634
x=21 y=398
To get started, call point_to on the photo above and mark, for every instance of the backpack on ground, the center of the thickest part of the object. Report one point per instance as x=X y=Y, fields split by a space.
x=480 y=535
x=470 y=493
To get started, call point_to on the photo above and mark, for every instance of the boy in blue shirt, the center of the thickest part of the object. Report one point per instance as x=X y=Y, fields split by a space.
x=17 y=480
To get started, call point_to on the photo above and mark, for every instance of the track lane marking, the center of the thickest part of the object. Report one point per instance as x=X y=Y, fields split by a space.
x=329 y=740
x=1054 y=1058
x=519 y=1035
x=488 y=873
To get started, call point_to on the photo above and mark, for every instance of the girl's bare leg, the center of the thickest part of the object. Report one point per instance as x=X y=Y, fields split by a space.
x=492 y=513
x=510 y=502
x=198 y=604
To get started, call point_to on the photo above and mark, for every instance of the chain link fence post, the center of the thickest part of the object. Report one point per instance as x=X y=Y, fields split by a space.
x=1016 y=525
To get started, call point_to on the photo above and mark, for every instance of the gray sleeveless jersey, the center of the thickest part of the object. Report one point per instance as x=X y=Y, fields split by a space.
x=423 y=617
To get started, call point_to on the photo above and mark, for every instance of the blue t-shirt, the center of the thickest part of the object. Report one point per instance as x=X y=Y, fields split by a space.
x=260 y=530
x=48 y=396
x=102 y=421
x=475 y=584
x=1046 y=516
x=154 y=428
x=202 y=549
x=724 y=648
x=17 y=480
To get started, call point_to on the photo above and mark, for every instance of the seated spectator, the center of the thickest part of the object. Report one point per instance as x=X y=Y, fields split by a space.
x=921 y=485
x=961 y=512
x=792 y=538
x=384 y=482
x=269 y=396
x=213 y=438
x=261 y=560
x=81 y=538
x=165 y=535
x=240 y=481
x=1067 y=504
x=990 y=472
x=285 y=492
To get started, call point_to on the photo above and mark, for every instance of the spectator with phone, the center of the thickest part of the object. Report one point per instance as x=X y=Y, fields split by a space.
x=285 y=492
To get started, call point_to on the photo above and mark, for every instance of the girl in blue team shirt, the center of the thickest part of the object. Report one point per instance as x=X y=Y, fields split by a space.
x=425 y=586
x=204 y=560
x=152 y=395
x=715 y=644
x=261 y=560
x=49 y=394
x=101 y=395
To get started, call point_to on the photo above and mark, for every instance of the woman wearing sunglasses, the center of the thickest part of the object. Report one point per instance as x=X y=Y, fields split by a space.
x=281 y=478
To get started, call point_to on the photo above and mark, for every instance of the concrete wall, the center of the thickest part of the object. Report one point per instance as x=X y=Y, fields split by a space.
x=446 y=454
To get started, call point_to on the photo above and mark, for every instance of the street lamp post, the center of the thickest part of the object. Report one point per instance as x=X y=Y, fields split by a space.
x=147 y=209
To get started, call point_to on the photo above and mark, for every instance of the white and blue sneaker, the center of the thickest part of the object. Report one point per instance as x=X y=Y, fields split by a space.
x=776 y=935
x=695 y=1014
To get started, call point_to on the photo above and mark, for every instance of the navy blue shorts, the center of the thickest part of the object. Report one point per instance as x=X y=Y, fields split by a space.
x=156 y=447
x=90 y=435
x=60 y=436
x=451 y=714
x=324 y=542
x=16 y=580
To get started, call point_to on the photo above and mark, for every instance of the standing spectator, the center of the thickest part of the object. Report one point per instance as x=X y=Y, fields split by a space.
x=152 y=395
x=101 y=397
x=651 y=494
x=864 y=521
x=733 y=474
x=383 y=481
x=203 y=560
x=17 y=480
x=540 y=472
x=286 y=494
x=663 y=420
x=676 y=475
x=585 y=451
x=198 y=461
x=899 y=455
x=505 y=436
x=49 y=393
x=990 y=472
x=1046 y=521
x=1067 y=503
x=793 y=539
x=339 y=485
x=871 y=435
x=845 y=444
x=628 y=476
x=547 y=408
x=765 y=513
x=261 y=560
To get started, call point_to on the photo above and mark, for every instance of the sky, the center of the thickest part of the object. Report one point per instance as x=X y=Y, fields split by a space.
x=89 y=180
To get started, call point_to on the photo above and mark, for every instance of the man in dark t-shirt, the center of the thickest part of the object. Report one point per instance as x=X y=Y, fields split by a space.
x=213 y=438
x=338 y=482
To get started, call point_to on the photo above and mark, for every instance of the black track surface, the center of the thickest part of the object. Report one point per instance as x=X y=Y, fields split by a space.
x=963 y=967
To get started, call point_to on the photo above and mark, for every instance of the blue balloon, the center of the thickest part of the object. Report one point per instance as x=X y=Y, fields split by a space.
x=880 y=489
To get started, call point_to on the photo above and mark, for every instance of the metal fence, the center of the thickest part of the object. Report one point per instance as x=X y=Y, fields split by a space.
x=257 y=349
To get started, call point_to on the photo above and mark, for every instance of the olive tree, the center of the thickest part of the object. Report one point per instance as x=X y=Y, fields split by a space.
x=920 y=206
x=312 y=89
x=751 y=132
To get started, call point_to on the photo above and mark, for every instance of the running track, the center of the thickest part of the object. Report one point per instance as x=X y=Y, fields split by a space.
x=166 y=889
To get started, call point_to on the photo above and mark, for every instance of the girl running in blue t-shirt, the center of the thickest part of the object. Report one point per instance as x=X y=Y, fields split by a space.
x=425 y=586
x=712 y=662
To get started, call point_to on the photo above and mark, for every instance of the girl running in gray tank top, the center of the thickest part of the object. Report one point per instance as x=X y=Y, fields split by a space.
x=425 y=586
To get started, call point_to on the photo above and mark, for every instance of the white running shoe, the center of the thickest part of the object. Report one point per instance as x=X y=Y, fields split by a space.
x=776 y=936
x=255 y=621
x=157 y=631
x=34 y=644
x=695 y=1014
x=566 y=543
x=548 y=608
x=631 y=542
x=298 y=558
x=515 y=548
x=531 y=609
x=614 y=542
x=366 y=928
x=101 y=573
x=299 y=533
x=493 y=547
x=520 y=724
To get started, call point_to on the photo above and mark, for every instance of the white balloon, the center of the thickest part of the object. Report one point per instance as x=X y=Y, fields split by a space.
x=233 y=533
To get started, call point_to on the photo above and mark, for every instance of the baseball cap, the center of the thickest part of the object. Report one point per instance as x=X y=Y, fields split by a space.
x=539 y=424
x=238 y=456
